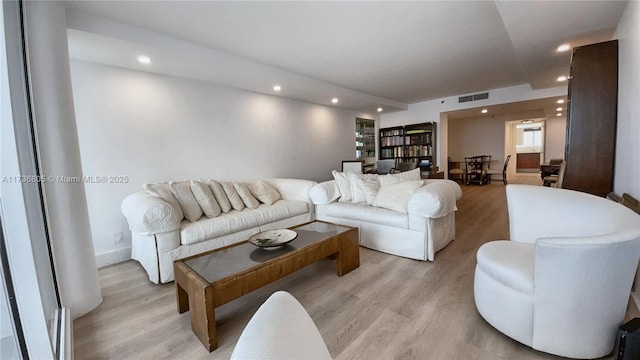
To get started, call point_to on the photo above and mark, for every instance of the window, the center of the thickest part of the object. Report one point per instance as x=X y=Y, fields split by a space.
x=532 y=137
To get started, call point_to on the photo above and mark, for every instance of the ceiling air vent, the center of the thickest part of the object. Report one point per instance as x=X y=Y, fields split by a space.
x=474 y=97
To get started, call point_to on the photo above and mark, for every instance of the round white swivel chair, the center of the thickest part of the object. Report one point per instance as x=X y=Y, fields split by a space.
x=562 y=283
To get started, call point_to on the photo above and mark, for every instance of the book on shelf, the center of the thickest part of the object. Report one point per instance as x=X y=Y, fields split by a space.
x=417 y=131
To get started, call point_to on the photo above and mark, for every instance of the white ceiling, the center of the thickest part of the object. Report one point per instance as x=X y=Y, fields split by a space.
x=368 y=54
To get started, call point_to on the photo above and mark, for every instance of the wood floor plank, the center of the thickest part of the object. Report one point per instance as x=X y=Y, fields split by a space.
x=389 y=308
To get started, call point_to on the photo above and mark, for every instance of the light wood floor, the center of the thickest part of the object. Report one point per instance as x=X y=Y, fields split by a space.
x=389 y=308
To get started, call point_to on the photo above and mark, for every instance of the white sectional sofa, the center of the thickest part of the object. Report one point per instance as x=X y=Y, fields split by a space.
x=161 y=234
x=427 y=225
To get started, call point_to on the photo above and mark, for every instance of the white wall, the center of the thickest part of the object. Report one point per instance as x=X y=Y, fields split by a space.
x=431 y=110
x=153 y=128
x=627 y=167
x=477 y=136
x=555 y=138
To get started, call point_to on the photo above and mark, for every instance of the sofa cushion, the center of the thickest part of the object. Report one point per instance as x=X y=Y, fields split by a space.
x=205 y=198
x=163 y=191
x=232 y=195
x=405 y=175
x=264 y=192
x=246 y=196
x=344 y=186
x=234 y=221
x=395 y=196
x=182 y=192
x=364 y=187
x=220 y=195
x=367 y=213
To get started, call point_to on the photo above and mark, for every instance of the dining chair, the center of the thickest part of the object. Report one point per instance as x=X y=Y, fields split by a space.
x=455 y=173
x=503 y=172
x=475 y=169
x=555 y=180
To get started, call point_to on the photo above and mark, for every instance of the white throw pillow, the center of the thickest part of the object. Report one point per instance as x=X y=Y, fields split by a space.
x=232 y=195
x=364 y=187
x=344 y=186
x=264 y=192
x=220 y=195
x=182 y=191
x=407 y=175
x=395 y=195
x=163 y=191
x=248 y=199
x=205 y=198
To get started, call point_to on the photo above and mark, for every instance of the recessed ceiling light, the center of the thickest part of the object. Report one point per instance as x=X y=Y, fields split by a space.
x=558 y=114
x=484 y=111
x=559 y=109
x=143 y=59
x=334 y=100
x=562 y=78
x=380 y=109
x=560 y=101
x=563 y=47
x=277 y=88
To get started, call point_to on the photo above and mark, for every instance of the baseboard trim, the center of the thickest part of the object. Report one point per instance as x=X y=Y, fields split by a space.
x=113 y=257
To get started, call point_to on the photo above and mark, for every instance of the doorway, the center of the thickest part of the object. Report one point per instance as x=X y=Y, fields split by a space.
x=525 y=138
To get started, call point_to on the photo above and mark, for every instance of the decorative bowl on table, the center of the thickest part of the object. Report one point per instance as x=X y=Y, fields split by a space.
x=273 y=239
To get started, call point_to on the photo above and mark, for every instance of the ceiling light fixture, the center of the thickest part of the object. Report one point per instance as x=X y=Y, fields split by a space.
x=558 y=114
x=380 y=109
x=334 y=100
x=484 y=111
x=144 y=60
x=559 y=109
x=563 y=48
x=562 y=78
x=560 y=101
x=277 y=88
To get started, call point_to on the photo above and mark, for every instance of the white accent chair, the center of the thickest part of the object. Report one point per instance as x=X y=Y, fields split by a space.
x=562 y=283
x=280 y=329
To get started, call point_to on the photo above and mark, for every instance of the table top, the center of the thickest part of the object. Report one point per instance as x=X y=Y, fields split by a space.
x=221 y=263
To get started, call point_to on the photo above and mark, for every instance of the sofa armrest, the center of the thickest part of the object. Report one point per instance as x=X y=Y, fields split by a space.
x=434 y=200
x=324 y=193
x=457 y=190
x=292 y=189
x=147 y=214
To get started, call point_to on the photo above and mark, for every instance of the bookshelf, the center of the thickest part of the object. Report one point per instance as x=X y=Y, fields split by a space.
x=365 y=139
x=410 y=143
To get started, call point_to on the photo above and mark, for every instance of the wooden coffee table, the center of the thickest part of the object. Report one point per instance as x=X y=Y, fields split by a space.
x=206 y=281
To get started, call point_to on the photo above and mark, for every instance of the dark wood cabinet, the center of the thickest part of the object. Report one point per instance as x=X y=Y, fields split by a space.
x=591 y=119
x=528 y=161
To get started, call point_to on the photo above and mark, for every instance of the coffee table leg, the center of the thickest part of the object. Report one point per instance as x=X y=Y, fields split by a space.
x=182 y=299
x=349 y=253
x=203 y=313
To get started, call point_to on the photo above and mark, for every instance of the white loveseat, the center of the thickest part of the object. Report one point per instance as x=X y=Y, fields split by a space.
x=161 y=234
x=427 y=226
